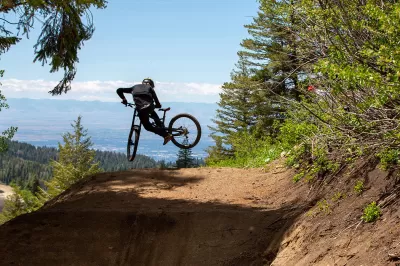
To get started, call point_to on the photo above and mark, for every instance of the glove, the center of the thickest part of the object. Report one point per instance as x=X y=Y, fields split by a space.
x=124 y=101
x=158 y=106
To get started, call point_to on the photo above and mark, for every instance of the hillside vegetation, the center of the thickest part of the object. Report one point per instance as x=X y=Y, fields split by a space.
x=23 y=161
x=318 y=82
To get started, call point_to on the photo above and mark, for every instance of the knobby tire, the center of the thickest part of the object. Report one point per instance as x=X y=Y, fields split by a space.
x=175 y=123
x=132 y=149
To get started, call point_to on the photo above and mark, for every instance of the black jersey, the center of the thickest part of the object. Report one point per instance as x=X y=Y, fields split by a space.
x=143 y=95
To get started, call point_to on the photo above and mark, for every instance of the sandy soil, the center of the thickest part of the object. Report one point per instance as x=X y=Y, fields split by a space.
x=204 y=217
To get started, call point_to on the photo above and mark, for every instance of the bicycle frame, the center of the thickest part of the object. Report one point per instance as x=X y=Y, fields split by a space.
x=163 y=118
x=180 y=130
x=135 y=113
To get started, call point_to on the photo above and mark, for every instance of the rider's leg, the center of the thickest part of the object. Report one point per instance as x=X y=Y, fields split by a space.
x=156 y=118
x=144 y=118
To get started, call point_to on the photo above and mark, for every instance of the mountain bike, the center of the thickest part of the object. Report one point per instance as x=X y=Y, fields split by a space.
x=184 y=128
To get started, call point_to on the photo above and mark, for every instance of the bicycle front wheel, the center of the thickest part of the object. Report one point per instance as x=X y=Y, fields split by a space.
x=185 y=130
x=133 y=142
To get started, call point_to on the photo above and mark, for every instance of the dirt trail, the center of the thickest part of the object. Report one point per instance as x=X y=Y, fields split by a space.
x=158 y=217
x=208 y=217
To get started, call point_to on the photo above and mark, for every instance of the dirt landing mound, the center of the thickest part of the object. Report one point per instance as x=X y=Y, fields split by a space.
x=152 y=217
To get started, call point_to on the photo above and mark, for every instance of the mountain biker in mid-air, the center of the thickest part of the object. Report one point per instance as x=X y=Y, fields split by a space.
x=144 y=97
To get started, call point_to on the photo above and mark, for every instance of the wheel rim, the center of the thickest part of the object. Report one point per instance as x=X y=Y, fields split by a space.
x=185 y=131
x=132 y=146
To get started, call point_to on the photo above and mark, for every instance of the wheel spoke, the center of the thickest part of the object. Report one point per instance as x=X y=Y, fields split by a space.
x=186 y=131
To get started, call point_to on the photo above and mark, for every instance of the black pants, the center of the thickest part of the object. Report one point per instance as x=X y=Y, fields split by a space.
x=144 y=116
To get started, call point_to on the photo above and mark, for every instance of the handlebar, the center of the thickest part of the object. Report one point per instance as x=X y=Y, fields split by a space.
x=132 y=105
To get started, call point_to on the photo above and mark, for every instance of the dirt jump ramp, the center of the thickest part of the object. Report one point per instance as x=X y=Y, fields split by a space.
x=153 y=217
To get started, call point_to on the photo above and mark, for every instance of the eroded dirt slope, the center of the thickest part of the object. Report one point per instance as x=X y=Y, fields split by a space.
x=332 y=232
x=159 y=217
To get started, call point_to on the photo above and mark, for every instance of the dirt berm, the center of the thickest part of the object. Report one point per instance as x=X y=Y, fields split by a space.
x=182 y=217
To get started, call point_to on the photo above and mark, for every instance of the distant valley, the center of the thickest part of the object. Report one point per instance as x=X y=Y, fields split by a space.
x=41 y=122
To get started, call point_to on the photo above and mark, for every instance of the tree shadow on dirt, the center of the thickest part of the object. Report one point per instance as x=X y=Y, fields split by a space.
x=135 y=177
x=91 y=225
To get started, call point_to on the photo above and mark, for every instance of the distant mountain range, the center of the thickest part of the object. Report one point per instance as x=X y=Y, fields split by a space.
x=41 y=122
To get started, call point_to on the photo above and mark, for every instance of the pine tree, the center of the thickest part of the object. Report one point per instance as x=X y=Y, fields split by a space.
x=65 y=26
x=162 y=164
x=75 y=162
x=33 y=184
x=235 y=112
x=185 y=158
x=273 y=46
x=7 y=134
x=278 y=60
x=266 y=77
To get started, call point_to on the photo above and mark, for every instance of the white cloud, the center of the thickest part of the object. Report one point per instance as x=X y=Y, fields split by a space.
x=105 y=90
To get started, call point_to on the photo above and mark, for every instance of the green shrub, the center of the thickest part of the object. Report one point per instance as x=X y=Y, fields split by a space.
x=296 y=129
x=359 y=186
x=249 y=151
x=297 y=153
x=388 y=158
x=297 y=177
x=338 y=196
x=371 y=212
x=324 y=206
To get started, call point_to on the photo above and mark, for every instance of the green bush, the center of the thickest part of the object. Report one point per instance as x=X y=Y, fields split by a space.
x=388 y=158
x=371 y=212
x=295 y=135
x=359 y=186
x=297 y=177
x=324 y=206
x=338 y=196
x=249 y=151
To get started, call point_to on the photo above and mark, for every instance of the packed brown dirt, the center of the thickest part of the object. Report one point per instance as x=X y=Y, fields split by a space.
x=203 y=216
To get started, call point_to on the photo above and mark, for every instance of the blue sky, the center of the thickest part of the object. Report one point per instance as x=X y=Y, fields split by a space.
x=179 y=43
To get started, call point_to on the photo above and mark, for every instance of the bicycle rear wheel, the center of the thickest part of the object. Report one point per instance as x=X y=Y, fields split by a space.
x=133 y=142
x=185 y=130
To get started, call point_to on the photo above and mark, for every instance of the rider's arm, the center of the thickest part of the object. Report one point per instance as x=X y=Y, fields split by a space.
x=153 y=93
x=121 y=92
